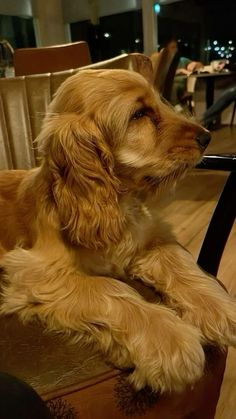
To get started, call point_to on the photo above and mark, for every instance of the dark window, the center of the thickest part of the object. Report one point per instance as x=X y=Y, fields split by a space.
x=18 y=31
x=114 y=35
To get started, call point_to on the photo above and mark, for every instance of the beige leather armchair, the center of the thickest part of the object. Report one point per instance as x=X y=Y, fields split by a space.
x=67 y=375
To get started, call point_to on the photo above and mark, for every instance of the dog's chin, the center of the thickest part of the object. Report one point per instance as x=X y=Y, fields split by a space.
x=158 y=183
x=150 y=183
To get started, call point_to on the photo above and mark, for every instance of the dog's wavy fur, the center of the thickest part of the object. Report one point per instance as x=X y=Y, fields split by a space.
x=75 y=228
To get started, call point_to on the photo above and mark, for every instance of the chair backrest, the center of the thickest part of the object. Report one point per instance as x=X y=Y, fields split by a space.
x=164 y=71
x=51 y=59
x=24 y=101
x=168 y=85
x=135 y=62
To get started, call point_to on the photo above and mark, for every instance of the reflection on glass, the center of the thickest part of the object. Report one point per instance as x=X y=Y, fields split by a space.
x=6 y=59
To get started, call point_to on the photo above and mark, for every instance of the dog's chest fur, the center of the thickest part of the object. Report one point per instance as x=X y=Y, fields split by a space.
x=139 y=233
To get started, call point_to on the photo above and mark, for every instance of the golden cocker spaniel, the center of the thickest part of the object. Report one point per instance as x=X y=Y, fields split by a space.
x=74 y=229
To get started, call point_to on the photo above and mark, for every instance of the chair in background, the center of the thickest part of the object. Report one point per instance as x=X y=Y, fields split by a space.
x=188 y=98
x=164 y=69
x=51 y=59
x=6 y=58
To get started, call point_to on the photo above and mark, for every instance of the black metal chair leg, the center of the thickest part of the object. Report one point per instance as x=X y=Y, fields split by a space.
x=219 y=228
x=233 y=114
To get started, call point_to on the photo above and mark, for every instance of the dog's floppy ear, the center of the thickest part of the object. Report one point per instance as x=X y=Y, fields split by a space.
x=83 y=183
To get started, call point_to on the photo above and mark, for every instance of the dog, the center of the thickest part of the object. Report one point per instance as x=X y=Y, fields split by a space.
x=74 y=229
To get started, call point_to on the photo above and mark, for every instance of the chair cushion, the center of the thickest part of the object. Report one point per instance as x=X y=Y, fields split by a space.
x=76 y=379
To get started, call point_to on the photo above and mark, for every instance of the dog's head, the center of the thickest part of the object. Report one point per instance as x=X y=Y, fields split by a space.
x=108 y=133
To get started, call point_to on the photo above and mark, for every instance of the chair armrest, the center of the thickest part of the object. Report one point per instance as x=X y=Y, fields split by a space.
x=226 y=162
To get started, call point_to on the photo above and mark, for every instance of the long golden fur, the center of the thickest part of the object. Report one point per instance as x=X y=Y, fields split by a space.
x=75 y=228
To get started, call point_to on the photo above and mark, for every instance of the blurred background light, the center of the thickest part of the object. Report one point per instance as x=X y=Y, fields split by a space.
x=157 y=8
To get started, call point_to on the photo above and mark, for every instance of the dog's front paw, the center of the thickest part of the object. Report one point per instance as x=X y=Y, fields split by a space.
x=166 y=356
x=215 y=316
x=176 y=362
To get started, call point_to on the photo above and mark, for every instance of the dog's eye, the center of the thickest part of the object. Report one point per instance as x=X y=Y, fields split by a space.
x=140 y=113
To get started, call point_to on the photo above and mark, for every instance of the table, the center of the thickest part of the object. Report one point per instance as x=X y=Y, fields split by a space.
x=209 y=79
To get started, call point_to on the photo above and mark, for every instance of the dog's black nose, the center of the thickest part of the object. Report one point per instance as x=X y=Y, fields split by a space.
x=203 y=138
